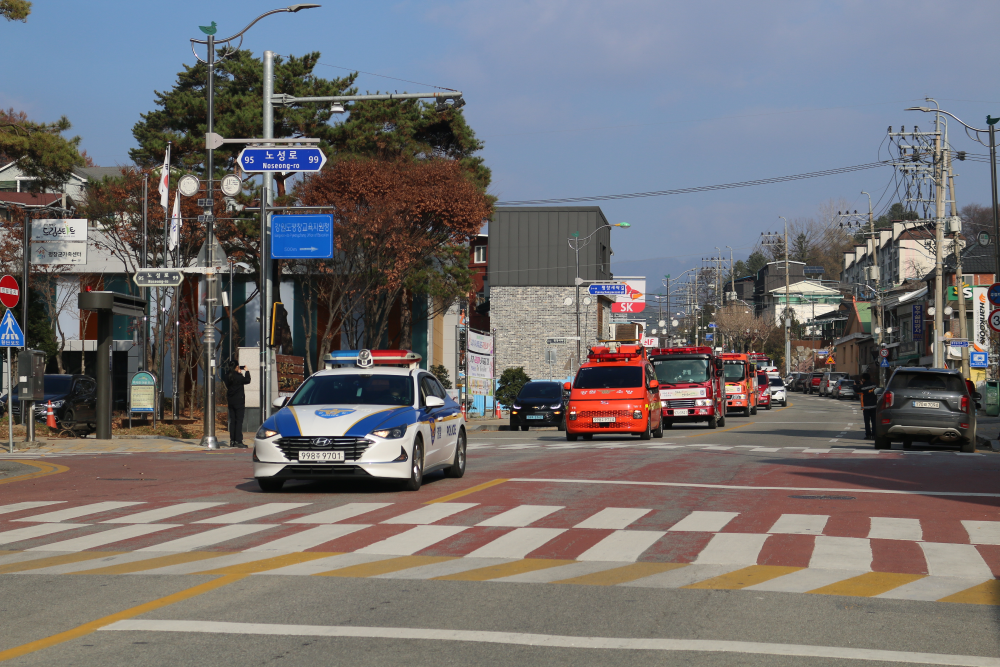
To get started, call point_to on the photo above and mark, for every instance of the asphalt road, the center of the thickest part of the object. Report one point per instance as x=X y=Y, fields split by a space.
x=782 y=539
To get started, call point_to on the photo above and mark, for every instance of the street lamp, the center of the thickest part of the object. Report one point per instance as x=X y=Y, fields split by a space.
x=208 y=439
x=991 y=130
x=575 y=242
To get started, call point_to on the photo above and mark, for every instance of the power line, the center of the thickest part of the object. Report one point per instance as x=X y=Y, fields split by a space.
x=702 y=188
x=385 y=76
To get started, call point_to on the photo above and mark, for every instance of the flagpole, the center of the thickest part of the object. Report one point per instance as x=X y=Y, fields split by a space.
x=161 y=315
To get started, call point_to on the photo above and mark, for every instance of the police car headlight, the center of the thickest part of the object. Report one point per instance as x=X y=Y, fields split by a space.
x=703 y=401
x=391 y=433
x=265 y=433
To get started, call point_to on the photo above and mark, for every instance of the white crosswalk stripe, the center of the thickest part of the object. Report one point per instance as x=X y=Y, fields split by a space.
x=431 y=513
x=251 y=513
x=31 y=532
x=887 y=528
x=800 y=524
x=732 y=549
x=412 y=541
x=210 y=538
x=105 y=537
x=77 y=512
x=522 y=515
x=613 y=518
x=842 y=553
x=518 y=543
x=955 y=560
x=704 y=522
x=309 y=538
x=19 y=507
x=168 y=512
x=983 y=532
x=342 y=513
x=622 y=545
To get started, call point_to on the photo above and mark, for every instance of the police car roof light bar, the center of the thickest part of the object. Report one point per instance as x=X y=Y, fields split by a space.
x=369 y=358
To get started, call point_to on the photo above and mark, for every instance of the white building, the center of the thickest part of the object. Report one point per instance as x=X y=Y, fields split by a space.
x=807 y=299
x=905 y=252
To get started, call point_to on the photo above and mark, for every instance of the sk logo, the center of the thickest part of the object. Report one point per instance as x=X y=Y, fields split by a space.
x=331 y=413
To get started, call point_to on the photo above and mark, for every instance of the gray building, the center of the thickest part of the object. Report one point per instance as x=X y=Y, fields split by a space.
x=532 y=272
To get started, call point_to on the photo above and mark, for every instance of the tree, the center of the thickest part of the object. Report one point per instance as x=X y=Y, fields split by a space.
x=42 y=151
x=509 y=385
x=441 y=373
x=181 y=116
x=755 y=262
x=15 y=10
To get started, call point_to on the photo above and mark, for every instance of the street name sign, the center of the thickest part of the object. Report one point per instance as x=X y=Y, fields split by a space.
x=10 y=333
x=157 y=277
x=10 y=291
x=607 y=289
x=993 y=294
x=302 y=236
x=958 y=343
x=281 y=159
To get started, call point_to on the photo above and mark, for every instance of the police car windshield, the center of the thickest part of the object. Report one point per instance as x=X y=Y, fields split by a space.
x=608 y=377
x=355 y=389
x=673 y=371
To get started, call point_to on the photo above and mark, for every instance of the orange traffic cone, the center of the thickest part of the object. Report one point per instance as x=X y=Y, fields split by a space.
x=496 y=412
x=50 y=418
x=464 y=416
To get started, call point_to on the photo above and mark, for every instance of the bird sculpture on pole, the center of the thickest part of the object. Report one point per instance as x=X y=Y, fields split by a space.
x=208 y=29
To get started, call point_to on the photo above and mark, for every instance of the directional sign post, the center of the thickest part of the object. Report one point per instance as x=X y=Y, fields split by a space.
x=302 y=236
x=297 y=158
x=156 y=278
x=10 y=336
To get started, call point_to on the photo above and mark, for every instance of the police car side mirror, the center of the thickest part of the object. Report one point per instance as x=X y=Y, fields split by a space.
x=567 y=386
x=434 y=402
x=279 y=402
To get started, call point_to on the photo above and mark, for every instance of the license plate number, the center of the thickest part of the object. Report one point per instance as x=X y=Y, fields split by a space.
x=681 y=412
x=926 y=404
x=321 y=456
x=534 y=417
x=603 y=420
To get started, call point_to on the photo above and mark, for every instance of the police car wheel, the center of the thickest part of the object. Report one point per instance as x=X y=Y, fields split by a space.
x=457 y=468
x=269 y=484
x=416 y=467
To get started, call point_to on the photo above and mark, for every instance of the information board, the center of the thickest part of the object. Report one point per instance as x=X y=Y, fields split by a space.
x=142 y=392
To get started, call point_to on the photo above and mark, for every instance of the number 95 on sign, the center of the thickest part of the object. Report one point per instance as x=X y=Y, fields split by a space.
x=281 y=159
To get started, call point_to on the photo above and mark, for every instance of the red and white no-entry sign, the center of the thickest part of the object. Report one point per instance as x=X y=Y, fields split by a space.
x=10 y=293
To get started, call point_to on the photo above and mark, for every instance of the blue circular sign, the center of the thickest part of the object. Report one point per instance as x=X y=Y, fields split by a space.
x=994 y=294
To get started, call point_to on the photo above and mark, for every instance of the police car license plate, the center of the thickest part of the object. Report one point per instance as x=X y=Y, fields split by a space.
x=321 y=456
x=680 y=412
x=603 y=420
x=926 y=404
x=534 y=416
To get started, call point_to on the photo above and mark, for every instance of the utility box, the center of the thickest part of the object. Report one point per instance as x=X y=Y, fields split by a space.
x=30 y=375
x=992 y=402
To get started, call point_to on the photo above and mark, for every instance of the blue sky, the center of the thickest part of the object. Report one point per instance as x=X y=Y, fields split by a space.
x=579 y=98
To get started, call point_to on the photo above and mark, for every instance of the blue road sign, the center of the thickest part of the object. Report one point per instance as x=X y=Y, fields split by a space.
x=607 y=288
x=10 y=333
x=712 y=325
x=281 y=159
x=959 y=343
x=885 y=363
x=302 y=236
x=979 y=359
x=709 y=336
x=993 y=294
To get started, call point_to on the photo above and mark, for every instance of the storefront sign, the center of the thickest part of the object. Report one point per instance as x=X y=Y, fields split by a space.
x=980 y=333
x=918 y=321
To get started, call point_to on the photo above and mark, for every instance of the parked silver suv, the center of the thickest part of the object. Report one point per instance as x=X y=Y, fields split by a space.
x=930 y=405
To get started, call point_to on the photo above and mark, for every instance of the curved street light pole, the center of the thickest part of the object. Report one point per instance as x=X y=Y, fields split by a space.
x=208 y=439
x=575 y=242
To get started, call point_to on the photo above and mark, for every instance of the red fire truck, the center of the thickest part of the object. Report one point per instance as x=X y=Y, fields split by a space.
x=690 y=385
x=741 y=385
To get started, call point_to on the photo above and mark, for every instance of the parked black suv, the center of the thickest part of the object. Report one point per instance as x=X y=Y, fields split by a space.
x=74 y=402
x=931 y=405
x=540 y=403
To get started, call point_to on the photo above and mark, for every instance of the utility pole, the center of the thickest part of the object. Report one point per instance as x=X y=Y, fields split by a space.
x=959 y=283
x=876 y=275
x=787 y=320
x=266 y=200
x=939 y=361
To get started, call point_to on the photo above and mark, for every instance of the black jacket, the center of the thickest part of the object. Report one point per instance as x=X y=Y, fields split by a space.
x=868 y=398
x=235 y=396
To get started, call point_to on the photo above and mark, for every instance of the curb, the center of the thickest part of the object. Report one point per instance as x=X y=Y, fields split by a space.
x=986 y=443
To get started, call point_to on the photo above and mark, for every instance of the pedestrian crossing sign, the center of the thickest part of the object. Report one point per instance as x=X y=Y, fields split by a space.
x=885 y=363
x=10 y=333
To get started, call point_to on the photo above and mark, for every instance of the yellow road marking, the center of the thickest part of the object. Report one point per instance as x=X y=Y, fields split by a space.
x=64 y=559
x=459 y=494
x=868 y=584
x=87 y=628
x=284 y=560
x=156 y=562
x=385 y=566
x=748 y=576
x=620 y=575
x=985 y=593
x=505 y=569
x=718 y=430
x=44 y=469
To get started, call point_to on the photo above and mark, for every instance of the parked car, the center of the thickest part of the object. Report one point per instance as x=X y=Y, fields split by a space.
x=931 y=405
x=827 y=381
x=539 y=403
x=74 y=402
x=797 y=381
x=844 y=389
x=812 y=385
x=764 y=390
x=779 y=393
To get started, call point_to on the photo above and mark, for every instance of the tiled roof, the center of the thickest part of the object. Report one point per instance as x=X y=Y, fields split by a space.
x=30 y=198
x=975 y=259
x=98 y=173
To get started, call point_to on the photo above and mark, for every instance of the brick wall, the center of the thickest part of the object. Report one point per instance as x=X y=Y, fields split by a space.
x=525 y=316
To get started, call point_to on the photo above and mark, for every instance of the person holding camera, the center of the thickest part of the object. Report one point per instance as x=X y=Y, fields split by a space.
x=237 y=378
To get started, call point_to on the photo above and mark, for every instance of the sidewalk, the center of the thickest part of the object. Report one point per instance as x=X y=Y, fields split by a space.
x=48 y=446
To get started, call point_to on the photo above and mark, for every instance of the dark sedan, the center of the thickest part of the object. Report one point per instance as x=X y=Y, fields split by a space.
x=931 y=405
x=539 y=403
x=74 y=402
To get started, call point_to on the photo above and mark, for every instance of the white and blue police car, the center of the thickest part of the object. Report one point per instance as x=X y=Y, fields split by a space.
x=368 y=414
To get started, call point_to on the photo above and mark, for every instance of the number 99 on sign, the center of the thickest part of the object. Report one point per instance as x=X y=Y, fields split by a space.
x=313 y=159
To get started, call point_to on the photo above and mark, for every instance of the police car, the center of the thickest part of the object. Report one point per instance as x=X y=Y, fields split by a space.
x=368 y=414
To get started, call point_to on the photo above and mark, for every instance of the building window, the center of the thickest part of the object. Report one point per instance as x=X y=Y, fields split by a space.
x=479 y=254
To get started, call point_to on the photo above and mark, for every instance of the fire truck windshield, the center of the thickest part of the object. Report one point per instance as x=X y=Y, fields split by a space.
x=674 y=371
x=608 y=377
x=735 y=370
